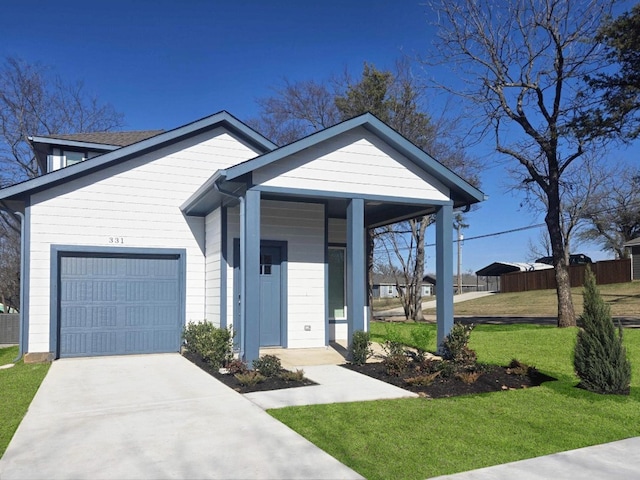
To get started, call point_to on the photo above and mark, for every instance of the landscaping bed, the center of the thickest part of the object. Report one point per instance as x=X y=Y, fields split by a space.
x=492 y=378
x=230 y=380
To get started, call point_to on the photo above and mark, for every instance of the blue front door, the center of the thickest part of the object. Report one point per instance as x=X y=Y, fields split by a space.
x=270 y=296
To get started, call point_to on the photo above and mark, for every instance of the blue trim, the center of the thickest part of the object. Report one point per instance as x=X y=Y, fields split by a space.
x=356 y=267
x=284 y=283
x=223 y=267
x=444 y=272
x=250 y=274
x=301 y=192
x=326 y=274
x=58 y=251
x=236 y=289
x=341 y=321
x=219 y=120
x=26 y=277
x=466 y=191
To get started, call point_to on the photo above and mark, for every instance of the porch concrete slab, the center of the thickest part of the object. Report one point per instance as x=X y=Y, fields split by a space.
x=335 y=385
x=618 y=460
x=334 y=354
x=153 y=417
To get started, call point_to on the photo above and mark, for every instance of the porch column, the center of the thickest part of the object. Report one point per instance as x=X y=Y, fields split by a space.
x=250 y=265
x=356 y=267
x=444 y=272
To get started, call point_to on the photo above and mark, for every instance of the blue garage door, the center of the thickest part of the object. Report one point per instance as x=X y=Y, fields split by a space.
x=114 y=305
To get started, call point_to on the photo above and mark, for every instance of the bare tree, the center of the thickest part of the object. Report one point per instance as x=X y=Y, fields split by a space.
x=614 y=215
x=522 y=61
x=34 y=102
x=583 y=186
x=397 y=98
x=539 y=248
x=403 y=243
x=10 y=269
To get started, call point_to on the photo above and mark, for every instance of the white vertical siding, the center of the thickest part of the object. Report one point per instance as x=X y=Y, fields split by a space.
x=301 y=225
x=213 y=243
x=354 y=162
x=136 y=202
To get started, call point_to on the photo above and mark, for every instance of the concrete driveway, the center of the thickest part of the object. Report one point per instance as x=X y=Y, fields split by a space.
x=153 y=417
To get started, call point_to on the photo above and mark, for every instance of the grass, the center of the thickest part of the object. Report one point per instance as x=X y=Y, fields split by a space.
x=623 y=298
x=18 y=385
x=419 y=438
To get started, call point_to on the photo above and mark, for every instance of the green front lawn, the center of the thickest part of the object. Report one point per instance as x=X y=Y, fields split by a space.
x=420 y=438
x=18 y=385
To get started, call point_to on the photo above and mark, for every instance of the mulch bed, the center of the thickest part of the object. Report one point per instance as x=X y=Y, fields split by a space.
x=493 y=379
x=272 y=383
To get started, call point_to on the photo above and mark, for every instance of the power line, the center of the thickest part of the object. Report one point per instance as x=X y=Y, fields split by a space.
x=495 y=234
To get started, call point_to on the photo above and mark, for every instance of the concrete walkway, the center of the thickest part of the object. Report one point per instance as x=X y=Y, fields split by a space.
x=153 y=417
x=616 y=460
x=335 y=385
x=463 y=297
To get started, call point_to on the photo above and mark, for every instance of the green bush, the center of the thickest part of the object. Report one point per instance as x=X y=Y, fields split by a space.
x=213 y=344
x=600 y=358
x=421 y=339
x=268 y=365
x=455 y=346
x=360 y=348
x=395 y=361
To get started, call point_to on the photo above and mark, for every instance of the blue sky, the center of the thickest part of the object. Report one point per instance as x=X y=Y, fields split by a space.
x=166 y=63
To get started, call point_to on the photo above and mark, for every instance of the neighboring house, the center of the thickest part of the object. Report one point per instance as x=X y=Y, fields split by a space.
x=634 y=247
x=385 y=287
x=212 y=221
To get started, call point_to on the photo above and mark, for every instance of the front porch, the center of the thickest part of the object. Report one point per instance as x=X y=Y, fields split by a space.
x=360 y=173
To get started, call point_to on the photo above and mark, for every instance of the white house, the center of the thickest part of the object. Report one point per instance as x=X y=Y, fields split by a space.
x=128 y=236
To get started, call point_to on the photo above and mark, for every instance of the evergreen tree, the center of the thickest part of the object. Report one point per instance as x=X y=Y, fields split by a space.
x=600 y=358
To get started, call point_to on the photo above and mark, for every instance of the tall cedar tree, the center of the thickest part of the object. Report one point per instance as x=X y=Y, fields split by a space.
x=600 y=358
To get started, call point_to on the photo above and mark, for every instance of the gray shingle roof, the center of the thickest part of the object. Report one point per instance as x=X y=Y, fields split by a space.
x=120 y=139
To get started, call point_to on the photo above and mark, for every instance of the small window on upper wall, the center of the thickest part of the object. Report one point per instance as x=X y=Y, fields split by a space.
x=71 y=158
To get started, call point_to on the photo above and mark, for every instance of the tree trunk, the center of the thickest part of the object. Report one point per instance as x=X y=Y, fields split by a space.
x=566 y=313
x=370 y=247
x=419 y=272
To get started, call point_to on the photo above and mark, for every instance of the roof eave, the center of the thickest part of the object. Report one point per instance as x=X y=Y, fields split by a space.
x=220 y=119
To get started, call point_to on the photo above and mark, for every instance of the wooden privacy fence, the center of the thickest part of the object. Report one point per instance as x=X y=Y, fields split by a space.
x=608 y=271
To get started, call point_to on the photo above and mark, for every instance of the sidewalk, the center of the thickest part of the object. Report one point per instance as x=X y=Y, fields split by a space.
x=394 y=312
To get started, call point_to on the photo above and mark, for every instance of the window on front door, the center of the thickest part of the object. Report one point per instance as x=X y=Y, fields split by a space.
x=337 y=283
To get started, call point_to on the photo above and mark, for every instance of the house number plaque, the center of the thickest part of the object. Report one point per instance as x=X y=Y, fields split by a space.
x=116 y=240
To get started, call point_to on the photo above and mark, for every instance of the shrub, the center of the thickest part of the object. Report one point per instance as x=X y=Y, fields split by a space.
x=360 y=348
x=446 y=369
x=237 y=366
x=600 y=358
x=249 y=378
x=268 y=365
x=455 y=347
x=518 y=368
x=469 y=377
x=289 y=376
x=422 y=380
x=395 y=361
x=213 y=344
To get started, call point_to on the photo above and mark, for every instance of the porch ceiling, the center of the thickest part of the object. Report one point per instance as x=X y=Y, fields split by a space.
x=378 y=210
